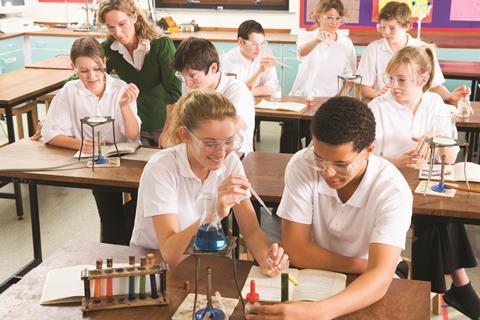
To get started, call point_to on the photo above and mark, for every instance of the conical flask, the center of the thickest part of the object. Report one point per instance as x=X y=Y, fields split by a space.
x=210 y=235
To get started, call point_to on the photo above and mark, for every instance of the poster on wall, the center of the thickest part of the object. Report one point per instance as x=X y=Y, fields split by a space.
x=419 y=8
x=465 y=10
x=307 y=12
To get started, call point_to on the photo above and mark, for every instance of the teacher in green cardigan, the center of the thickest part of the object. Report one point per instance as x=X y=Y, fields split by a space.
x=137 y=52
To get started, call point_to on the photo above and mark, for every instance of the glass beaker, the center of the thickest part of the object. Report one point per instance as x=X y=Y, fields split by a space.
x=443 y=130
x=350 y=85
x=210 y=235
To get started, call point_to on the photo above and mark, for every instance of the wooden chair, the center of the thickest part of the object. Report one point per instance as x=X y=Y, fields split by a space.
x=47 y=99
x=30 y=108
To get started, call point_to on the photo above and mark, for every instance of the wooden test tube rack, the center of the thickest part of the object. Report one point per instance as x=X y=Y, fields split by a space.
x=123 y=301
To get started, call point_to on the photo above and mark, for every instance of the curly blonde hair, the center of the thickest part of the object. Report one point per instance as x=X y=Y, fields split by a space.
x=144 y=29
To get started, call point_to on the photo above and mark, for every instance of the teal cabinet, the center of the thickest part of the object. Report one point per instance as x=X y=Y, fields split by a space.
x=290 y=70
x=11 y=54
x=44 y=47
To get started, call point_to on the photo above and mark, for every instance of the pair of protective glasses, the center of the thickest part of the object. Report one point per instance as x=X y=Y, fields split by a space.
x=233 y=143
x=382 y=28
x=255 y=43
x=332 y=19
x=84 y=71
x=401 y=81
x=338 y=169
x=193 y=78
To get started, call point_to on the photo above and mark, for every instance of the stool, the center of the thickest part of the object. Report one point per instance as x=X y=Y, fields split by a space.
x=31 y=109
x=47 y=99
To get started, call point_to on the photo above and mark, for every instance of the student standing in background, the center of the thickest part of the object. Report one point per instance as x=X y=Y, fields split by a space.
x=250 y=61
x=324 y=53
x=394 y=20
x=140 y=55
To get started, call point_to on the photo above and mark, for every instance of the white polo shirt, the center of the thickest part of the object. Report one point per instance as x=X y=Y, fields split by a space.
x=75 y=102
x=234 y=62
x=318 y=71
x=376 y=57
x=168 y=186
x=379 y=211
x=138 y=56
x=396 y=124
x=242 y=99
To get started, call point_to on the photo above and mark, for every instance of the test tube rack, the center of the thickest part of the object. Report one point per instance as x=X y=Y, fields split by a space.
x=122 y=300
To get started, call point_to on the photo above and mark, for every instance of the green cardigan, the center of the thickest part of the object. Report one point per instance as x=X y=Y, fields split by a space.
x=156 y=80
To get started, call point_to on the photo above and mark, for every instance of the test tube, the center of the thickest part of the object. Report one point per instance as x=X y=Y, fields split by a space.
x=143 y=263
x=153 y=277
x=98 y=283
x=131 y=279
x=163 y=283
x=284 y=281
x=109 y=280
x=86 y=284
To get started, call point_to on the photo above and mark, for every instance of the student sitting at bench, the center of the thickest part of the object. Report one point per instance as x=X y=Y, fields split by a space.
x=95 y=93
x=404 y=115
x=343 y=209
x=203 y=161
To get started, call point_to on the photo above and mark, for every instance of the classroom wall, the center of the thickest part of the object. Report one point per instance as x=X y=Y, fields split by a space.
x=56 y=12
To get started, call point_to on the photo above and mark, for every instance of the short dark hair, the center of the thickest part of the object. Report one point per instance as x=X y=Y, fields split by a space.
x=87 y=47
x=342 y=120
x=396 y=10
x=195 y=53
x=247 y=27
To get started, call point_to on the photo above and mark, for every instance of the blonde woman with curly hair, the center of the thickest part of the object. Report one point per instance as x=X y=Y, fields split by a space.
x=139 y=54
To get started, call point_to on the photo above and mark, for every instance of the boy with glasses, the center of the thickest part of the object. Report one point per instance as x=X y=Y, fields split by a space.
x=343 y=209
x=198 y=66
x=324 y=53
x=252 y=61
x=394 y=20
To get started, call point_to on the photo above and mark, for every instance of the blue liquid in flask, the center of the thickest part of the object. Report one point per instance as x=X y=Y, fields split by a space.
x=210 y=238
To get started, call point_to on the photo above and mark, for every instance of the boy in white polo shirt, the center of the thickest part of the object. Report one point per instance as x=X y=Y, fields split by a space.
x=250 y=62
x=198 y=66
x=394 y=20
x=343 y=209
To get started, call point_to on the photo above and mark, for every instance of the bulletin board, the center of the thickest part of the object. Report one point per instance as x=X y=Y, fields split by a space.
x=444 y=14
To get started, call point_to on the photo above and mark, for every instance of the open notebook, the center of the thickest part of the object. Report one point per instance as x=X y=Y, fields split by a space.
x=314 y=285
x=123 y=148
x=64 y=285
x=453 y=172
x=274 y=105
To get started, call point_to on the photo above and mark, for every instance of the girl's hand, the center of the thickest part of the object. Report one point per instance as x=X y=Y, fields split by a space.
x=88 y=146
x=276 y=258
x=385 y=89
x=325 y=36
x=233 y=190
x=129 y=95
x=412 y=159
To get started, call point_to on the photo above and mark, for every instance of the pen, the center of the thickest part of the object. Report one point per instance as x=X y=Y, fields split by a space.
x=290 y=278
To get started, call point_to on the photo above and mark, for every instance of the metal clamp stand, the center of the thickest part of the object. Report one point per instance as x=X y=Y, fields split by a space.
x=93 y=122
x=347 y=82
x=433 y=146
x=227 y=252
